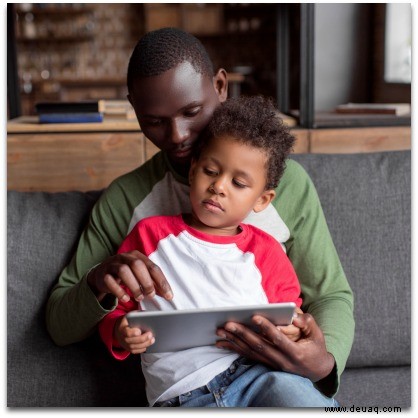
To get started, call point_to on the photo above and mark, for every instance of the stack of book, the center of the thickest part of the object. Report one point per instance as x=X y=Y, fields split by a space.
x=70 y=112
x=117 y=109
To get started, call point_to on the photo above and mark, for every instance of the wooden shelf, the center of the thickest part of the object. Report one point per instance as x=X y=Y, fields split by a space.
x=89 y=82
x=337 y=120
x=56 y=12
x=53 y=38
x=30 y=124
x=323 y=120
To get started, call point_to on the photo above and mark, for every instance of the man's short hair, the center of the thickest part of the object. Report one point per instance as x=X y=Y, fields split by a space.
x=163 y=49
x=253 y=121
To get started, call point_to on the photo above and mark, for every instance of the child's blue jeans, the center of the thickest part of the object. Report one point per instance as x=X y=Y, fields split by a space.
x=248 y=384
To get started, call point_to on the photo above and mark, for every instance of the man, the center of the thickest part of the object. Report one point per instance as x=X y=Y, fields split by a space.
x=174 y=91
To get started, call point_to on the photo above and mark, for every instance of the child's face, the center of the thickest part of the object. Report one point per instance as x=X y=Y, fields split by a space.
x=227 y=182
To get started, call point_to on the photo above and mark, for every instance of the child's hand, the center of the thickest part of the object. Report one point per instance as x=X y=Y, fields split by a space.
x=291 y=331
x=132 y=339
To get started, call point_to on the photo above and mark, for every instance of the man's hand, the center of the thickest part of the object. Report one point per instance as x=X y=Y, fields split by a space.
x=307 y=357
x=136 y=271
x=132 y=339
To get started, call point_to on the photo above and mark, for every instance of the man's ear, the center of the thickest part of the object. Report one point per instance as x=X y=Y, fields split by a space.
x=220 y=82
x=264 y=200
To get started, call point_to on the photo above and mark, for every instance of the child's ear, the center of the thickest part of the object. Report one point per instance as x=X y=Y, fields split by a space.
x=264 y=200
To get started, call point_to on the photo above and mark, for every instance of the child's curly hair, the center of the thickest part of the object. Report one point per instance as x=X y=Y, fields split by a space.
x=253 y=121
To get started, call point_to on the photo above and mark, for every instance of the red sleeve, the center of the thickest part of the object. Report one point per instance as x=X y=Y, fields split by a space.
x=279 y=279
x=147 y=233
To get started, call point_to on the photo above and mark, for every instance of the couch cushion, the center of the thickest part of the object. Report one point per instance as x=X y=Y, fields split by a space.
x=376 y=387
x=42 y=230
x=367 y=202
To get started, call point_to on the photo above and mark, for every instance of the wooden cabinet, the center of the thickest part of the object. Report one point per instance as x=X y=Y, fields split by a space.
x=66 y=157
x=70 y=161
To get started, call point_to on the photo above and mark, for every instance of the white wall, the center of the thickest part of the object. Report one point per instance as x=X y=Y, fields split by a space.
x=398 y=43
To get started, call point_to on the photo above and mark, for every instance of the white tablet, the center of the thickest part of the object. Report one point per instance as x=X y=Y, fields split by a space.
x=184 y=329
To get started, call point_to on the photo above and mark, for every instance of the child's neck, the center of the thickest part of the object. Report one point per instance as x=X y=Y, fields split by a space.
x=195 y=223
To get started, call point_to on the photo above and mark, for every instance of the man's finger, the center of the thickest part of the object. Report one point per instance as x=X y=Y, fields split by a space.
x=162 y=286
x=274 y=335
x=233 y=339
x=114 y=288
x=159 y=283
x=142 y=280
x=257 y=347
x=135 y=278
x=231 y=342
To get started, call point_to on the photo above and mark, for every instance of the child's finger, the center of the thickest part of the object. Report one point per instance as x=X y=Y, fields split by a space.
x=287 y=329
x=132 y=332
x=142 y=347
x=139 y=339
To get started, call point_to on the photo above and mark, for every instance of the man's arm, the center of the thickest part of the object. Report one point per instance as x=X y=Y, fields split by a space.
x=73 y=309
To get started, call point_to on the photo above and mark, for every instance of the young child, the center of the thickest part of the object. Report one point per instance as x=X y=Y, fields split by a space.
x=210 y=258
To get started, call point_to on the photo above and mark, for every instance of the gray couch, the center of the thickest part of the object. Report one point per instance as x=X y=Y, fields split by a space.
x=367 y=201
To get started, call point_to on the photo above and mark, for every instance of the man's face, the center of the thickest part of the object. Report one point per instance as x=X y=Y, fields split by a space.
x=174 y=107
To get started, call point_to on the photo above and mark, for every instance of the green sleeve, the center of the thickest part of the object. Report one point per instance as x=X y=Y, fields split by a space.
x=72 y=309
x=325 y=290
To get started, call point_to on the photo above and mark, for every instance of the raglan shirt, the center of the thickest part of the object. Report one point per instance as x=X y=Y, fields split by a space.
x=204 y=271
x=295 y=218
